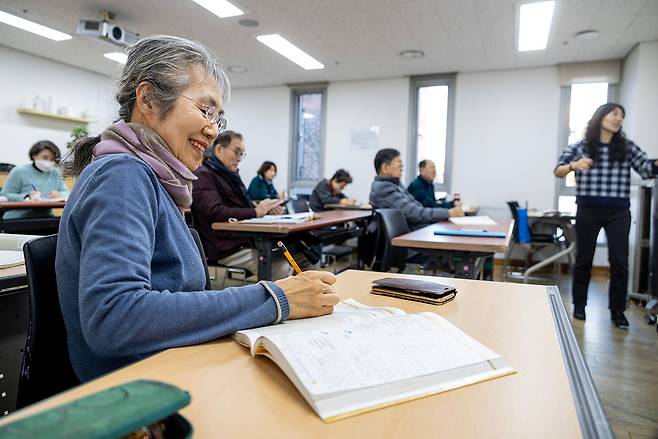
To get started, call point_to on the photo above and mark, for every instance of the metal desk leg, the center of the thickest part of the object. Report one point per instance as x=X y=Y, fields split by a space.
x=264 y=247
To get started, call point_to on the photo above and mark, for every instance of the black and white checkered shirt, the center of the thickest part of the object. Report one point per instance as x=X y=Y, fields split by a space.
x=607 y=179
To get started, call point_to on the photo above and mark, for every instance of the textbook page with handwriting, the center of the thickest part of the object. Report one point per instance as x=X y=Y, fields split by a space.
x=362 y=358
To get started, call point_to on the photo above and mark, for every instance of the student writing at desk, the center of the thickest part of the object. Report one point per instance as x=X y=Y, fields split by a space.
x=422 y=188
x=39 y=179
x=387 y=192
x=130 y=277
x=331 y=191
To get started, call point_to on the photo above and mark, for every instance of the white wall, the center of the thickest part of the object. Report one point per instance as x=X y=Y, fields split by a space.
x=506 y=136
x=639 y=94
x=262 y=116
x=364 y=104
x=22 y=77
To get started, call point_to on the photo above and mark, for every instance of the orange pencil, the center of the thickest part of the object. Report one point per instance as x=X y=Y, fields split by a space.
x=288 y=256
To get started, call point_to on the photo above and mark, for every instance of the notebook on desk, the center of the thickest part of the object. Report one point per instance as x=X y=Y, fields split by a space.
x=477 y=233
x=291 y=218
x=362 y=358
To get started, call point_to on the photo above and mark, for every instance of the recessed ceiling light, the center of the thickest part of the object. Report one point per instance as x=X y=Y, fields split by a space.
x=248 y=22
x=589 y=34
x=237 y=69
x=221 y=8
x=35 y=28
x=279 y=44
x=534 y=25
x=119 y=57
x=412 y=54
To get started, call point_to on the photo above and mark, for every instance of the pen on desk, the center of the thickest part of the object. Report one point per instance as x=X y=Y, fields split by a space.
x=288 y=256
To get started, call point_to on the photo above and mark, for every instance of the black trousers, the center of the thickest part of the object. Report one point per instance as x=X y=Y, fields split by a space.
x=617 y=223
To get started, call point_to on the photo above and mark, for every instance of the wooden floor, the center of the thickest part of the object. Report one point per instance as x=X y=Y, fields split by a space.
x=624 y=364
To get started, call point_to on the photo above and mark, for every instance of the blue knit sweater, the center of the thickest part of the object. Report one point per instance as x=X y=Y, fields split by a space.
x=130 y=277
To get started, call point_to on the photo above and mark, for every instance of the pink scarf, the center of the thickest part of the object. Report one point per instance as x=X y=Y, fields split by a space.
x=143 y=143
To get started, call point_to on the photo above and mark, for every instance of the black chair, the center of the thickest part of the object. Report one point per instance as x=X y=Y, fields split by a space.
x=392 y=223
x=297 y=205
x=47 y=369
x=537 y=243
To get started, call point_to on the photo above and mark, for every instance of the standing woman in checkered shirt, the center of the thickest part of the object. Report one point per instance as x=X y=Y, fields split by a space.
x=602 y=162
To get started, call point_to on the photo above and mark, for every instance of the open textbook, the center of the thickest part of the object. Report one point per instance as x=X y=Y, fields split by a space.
x=362 y=358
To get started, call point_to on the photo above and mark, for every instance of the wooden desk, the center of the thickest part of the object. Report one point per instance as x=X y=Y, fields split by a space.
x=364 y=206
x=550 y=396
x=29 y=224
x=473 y=249
x=265 y=234
x=14 y=318
x=426 y=239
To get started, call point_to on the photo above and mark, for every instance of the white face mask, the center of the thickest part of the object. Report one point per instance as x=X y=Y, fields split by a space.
x=44 y=165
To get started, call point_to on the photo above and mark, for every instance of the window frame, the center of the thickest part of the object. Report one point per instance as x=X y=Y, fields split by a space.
x=416 y=82
x=296 y=91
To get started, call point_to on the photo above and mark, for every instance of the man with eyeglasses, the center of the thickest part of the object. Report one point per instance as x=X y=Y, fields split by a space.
x=220 y=194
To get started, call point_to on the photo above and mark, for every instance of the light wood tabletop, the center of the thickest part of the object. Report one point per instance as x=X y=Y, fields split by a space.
x=426 y=239
x=235 y=395
x=321 y=219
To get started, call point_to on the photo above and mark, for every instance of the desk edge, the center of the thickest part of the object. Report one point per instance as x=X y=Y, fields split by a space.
x=593 y=420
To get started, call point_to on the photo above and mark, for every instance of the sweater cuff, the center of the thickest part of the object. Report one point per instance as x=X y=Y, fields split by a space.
x=280 y=299
x=654 y=168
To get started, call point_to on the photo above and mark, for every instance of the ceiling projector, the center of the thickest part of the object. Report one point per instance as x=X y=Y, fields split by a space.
x=107 y=31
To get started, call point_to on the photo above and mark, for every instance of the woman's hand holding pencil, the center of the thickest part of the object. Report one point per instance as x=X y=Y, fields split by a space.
x=309 y=293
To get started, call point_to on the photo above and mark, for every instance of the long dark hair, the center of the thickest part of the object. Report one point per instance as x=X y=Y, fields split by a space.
x=618 y=144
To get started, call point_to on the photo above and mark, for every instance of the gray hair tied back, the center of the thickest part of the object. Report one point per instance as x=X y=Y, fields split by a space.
x=163 y=61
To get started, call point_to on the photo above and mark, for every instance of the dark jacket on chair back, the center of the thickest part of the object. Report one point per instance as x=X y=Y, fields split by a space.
x=218 y=195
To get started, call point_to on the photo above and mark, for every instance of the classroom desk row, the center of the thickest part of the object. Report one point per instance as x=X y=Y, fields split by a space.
x=551 y=395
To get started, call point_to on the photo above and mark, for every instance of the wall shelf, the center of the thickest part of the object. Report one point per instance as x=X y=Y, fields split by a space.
x=54 y=115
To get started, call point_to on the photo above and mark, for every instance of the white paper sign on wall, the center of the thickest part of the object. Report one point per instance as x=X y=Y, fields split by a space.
x=364 y=138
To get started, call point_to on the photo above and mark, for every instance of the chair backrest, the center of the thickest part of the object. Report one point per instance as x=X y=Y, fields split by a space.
x=392 y=223
x=514 y=210
x=298 y=205
x=306 y=197
x=47 y=368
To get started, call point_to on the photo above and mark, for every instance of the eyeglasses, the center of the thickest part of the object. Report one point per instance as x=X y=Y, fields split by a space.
x=239 y=153
x=211 y=113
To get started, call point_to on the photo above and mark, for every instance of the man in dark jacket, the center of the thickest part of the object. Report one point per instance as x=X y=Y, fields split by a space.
x=218 y=195
x=331 y=191
x=422 y=188
x=387 y=192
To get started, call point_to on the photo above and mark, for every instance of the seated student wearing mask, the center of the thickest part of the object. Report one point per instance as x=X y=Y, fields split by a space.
x=387 y=192
x=331 y=191
x=219 y=194
x=261 y=186
x=39 y=179
x=422 y=188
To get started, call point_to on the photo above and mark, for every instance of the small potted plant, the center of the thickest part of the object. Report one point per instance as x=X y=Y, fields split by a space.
x=76 y=134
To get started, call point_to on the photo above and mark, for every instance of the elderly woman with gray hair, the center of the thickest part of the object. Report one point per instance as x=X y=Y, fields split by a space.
x=130 y=277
